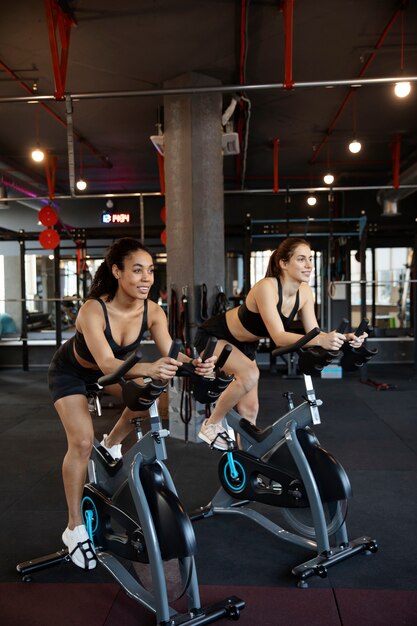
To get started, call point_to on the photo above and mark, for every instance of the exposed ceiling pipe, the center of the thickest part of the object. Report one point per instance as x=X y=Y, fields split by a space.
x=266 y=191
x=181 y=91
x=70 y=145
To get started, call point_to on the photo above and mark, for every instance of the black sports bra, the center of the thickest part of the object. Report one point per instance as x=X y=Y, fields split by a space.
x=120 y=352
x=253 y=322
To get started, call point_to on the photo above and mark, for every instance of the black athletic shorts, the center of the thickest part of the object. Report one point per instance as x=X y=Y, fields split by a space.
x=66 y=377
x=217 y=327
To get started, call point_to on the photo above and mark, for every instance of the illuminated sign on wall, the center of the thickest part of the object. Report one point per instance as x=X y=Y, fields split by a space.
x=115 y=218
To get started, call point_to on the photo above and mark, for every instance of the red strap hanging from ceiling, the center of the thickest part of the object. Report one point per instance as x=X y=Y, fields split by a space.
x=288 y=14
x=57 y=18
x=396 y=155
x=81 y=256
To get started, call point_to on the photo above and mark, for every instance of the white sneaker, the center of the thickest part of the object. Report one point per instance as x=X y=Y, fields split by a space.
x=114 y=451
x=213 y=434
x=80 y=548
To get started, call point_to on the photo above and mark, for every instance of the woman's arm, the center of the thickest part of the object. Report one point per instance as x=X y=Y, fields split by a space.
x=328 y=341
x=267 y=299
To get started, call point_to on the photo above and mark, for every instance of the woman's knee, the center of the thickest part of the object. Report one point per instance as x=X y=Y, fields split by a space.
x=249 y=376
x=81 y=444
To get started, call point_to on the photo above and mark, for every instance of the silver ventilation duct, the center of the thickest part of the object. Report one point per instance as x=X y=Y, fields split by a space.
x=389 y=199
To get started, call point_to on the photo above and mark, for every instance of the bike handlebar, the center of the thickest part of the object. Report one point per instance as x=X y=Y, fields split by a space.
x=114 y=377
x=209 y=349
x=293 y=347
x=117 y=375
x=343 y=326
x=224 y=355
x=362 y=327
x=175 y=349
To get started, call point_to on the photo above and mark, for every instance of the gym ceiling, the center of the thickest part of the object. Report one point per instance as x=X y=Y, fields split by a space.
x=307 y=77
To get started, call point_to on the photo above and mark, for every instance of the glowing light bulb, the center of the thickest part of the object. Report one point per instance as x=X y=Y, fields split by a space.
x=328 y=179
x=355 y=146
x=81 y=184
x=38 y=155
x=311 y=200
x=402 y=89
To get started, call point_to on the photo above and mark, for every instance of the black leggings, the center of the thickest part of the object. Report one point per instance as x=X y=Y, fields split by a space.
x=66 y=377
x=217 y=327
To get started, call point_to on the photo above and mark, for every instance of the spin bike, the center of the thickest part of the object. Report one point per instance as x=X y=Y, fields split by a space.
x=132 y=513
x=285 y=466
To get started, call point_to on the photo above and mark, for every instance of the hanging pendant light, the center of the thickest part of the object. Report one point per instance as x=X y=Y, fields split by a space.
x=402 y=88
x=355 y=146
x=81 y=184
x=37 y=153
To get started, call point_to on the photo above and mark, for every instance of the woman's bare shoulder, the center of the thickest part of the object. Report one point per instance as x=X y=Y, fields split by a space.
x=264 y=290
x=90 y=309
x=155 y=311
x=267 y=283
x=91 y=305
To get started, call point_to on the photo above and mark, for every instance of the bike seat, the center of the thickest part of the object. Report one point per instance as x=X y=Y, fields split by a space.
x=256 y=433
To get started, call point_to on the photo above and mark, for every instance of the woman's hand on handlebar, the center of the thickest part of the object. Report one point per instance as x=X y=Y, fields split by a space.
x=163 y=369
x=332 y=341
x=204 y=368
x=354 y=341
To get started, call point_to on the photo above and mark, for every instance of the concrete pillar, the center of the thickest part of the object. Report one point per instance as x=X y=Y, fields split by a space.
x=195 y=215
x=194 y=191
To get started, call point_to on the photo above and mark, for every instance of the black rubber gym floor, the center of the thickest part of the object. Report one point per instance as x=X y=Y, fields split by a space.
x=372 y=433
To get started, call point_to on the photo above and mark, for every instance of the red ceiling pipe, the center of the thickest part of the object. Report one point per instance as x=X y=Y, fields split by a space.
x=352 y=89
x=58 y=19
x=288 y=14
x=396 y=154
x=276 y=149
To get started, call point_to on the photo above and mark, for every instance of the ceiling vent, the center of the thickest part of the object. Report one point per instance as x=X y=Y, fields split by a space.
x=389 y=208
x=390 y=198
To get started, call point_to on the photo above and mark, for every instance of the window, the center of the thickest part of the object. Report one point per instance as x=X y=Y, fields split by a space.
x=391 y=269
x=258 y=263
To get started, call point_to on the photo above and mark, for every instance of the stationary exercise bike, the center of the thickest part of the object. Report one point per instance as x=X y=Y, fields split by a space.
x=132 y=513
x=285 y=466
